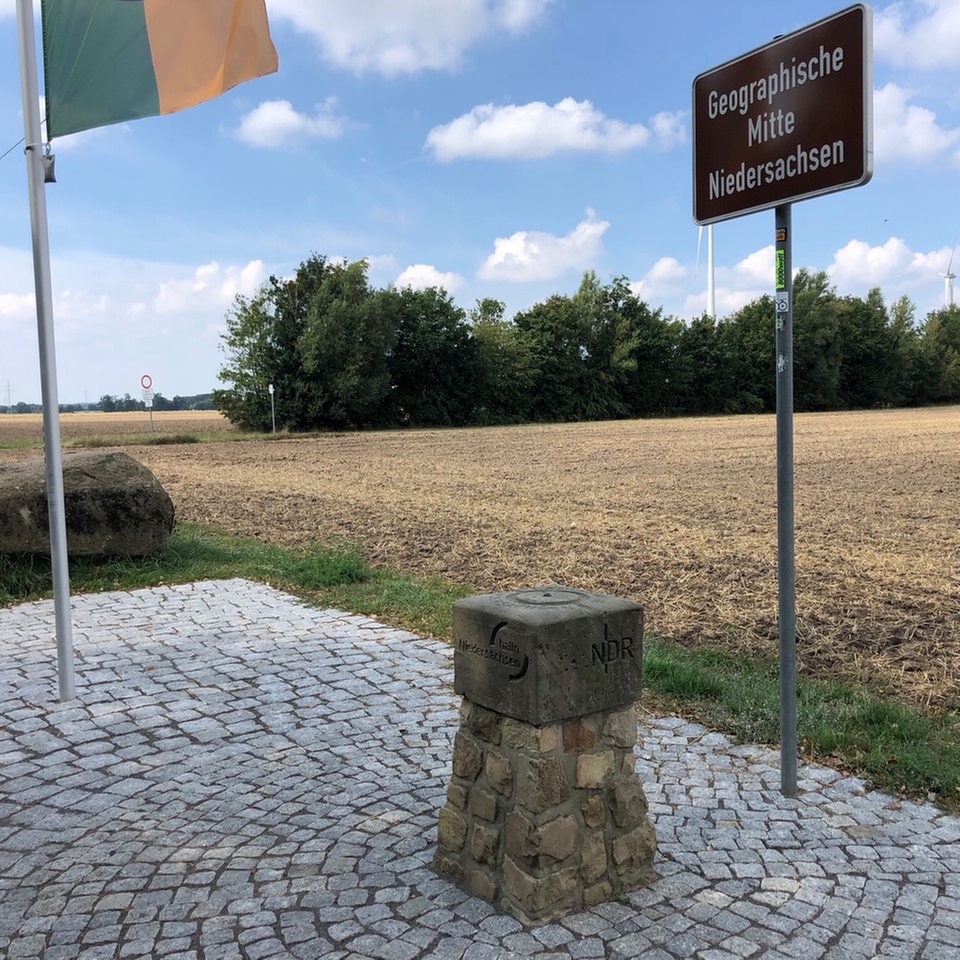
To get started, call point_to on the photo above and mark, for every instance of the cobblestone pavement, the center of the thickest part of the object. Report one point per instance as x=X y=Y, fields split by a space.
x=242 y=776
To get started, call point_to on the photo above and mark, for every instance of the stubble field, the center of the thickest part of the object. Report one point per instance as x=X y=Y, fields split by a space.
x=677 y=514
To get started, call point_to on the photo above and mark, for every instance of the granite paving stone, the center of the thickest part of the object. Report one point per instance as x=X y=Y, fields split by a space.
x=245 y=777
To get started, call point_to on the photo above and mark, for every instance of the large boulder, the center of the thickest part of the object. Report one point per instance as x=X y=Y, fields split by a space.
x=114 y=506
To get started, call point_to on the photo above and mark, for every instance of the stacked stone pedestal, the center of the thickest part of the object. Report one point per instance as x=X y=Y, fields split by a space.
x=545 y=812
x=544 y=820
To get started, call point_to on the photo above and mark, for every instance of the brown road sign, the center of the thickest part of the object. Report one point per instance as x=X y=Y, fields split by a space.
x=787 y=121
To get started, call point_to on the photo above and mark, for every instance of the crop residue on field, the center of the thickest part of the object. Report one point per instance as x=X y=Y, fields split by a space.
x=677 y=514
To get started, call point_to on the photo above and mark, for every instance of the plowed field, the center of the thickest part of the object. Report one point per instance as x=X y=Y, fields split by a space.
x=677 y=514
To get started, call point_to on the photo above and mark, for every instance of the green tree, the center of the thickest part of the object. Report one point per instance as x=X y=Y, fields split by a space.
x=749 y=339
x=262 y=347
x=344 y=347
x=906 y=374
x=940 y=339
x=433 y=364
x=551 y=335
x=250 y=347
x=584 y=351
x=609 y=344
x=817 y=343
x=703 y=372
x=506 y=368
x=650 y=386
x=867 y=351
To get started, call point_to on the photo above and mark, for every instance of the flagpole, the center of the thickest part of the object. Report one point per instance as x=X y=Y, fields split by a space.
x=53 y=455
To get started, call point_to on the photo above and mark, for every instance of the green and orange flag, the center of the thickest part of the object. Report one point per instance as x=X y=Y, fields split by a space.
x=106 y=61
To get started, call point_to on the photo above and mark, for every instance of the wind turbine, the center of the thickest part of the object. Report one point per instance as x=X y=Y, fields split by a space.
x=948 y=279
x=711 y=287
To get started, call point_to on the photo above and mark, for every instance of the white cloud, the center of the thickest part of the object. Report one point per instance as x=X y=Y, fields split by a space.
x=420 y=276
x=757 y=267
x=727 y=300
x=923 y=35
x=662 y=280
x=16 y=307
x=903 y=131
x=736 y=286
x=16 y=293
x=537 y=130
x=243 y=281
x=666 y=270
x=528 y=256
x=669 y=129
x=274 y=123
x=936 y=260
x=209 y=287
x=89 y=299
x=117 y=318
x=391 y=38
x=517 y=15
x=858 y=266
x=382 y=262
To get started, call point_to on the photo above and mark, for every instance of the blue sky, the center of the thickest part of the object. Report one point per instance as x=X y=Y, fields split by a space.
x=498 y=148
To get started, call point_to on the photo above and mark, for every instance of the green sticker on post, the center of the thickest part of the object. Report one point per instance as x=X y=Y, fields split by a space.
x=781 y=269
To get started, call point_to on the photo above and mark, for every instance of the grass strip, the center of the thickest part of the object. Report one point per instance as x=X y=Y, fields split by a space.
x=139 y=439
x=194 y=553
x=894 y=746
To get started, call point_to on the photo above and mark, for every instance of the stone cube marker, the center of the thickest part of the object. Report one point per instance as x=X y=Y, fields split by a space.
x=549 y=653
x=545 y=812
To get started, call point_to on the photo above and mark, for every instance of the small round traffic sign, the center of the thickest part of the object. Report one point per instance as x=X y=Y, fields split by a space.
x=146 y=381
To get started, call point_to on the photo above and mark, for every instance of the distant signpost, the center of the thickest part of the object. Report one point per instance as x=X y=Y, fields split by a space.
x=146 y=383
x=785 y=122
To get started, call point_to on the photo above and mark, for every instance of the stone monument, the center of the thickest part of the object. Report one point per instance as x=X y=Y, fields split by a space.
x=114 y=506
x=545 y=812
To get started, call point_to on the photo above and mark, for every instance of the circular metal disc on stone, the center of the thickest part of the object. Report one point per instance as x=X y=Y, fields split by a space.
x=547 y=598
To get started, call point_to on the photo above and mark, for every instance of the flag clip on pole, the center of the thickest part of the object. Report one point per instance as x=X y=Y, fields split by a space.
x=49 y=166
x=786 y=566
x=53 y=455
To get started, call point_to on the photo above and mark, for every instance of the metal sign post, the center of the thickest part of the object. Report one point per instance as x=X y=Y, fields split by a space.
x=782 y=123
x=146 y=382
x=786 y=567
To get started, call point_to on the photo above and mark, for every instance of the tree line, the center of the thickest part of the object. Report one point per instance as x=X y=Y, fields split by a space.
x=109 y=403
x=114 y=404
x=339 y=354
